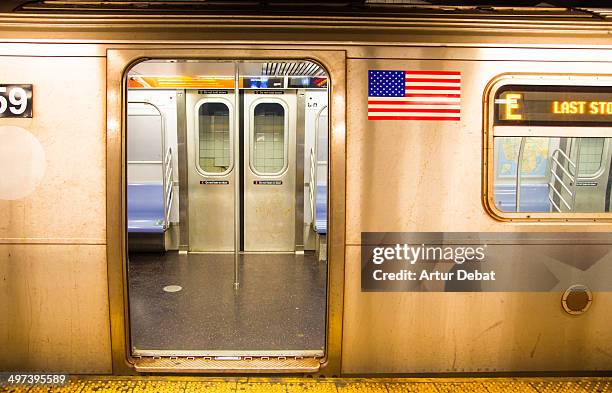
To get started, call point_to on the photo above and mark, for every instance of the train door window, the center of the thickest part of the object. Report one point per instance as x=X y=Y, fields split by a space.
x=268 y=138
x=550 y=152
x=214 y=147
x=591 y=156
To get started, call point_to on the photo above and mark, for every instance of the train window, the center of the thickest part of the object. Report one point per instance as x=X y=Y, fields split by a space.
x=214 y=137
x=551 y=149
x=269 y=148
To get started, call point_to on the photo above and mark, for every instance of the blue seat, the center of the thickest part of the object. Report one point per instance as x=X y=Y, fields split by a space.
x=534 y=197
x=145 y=204
x=320 y=224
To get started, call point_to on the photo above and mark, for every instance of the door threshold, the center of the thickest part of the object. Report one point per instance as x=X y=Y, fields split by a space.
x=303 y=353
x=267 y=252
x=210 y=252
x=264 y=364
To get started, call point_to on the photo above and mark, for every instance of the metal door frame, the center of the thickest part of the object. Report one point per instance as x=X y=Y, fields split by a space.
x=491 y=131
x=119 y=61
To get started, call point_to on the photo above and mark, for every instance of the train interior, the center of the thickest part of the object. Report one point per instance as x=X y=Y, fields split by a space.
x=557 y=174
x=227 y=208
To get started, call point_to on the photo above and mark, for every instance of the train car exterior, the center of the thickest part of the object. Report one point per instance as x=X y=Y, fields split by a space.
x=62 y=192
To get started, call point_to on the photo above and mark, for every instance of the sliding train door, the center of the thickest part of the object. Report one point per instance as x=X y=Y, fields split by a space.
x=210 y=155
x=268 y=162
x=269 y=170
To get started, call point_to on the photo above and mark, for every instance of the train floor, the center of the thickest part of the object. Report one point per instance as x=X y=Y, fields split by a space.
x=187 y=302
x=86 y=384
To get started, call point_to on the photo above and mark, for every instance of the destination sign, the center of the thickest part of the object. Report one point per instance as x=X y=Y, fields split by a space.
x=576 y=106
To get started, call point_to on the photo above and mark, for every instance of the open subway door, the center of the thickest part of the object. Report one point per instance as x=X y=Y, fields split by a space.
x=244 y=240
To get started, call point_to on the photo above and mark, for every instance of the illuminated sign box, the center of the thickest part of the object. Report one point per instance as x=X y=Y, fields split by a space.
x=575 y=106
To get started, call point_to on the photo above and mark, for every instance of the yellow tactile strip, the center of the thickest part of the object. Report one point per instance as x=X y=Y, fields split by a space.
x=162 y=384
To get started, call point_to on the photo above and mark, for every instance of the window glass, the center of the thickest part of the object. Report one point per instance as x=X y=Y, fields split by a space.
x=551 y=147
x=591 y=150
x=268 y=138
x=547 y=180
x=214 y=137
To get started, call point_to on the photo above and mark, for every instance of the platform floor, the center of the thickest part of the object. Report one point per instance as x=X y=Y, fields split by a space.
x=279 y=306
x=310 y=385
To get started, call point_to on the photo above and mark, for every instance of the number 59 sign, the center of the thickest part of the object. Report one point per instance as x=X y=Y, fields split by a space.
x=15 y=100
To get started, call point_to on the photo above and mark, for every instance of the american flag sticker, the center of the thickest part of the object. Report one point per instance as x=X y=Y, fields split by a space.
x=414 y=95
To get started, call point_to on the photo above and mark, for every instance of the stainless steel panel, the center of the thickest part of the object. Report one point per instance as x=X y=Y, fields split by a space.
x=54 y=307
x=253 y=30
x=434 y=168
x=61 y=197
x=269 y=207
x=469 y=332
x=422 y=176
x=211 y=196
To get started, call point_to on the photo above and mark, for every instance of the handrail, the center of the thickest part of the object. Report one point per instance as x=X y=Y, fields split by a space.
x=519 y=167
x=555 y=178
x=576 y=169
x=556 y=160
x=168 y=186
x=569 y=160
x=312 y=187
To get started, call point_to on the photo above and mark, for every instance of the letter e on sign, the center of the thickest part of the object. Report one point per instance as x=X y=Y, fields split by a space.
x=15 y=100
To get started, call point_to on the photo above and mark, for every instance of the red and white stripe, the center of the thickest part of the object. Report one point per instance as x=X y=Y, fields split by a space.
x=430 y=95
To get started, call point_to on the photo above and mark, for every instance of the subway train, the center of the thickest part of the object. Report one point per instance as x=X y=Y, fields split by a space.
x=193 y=187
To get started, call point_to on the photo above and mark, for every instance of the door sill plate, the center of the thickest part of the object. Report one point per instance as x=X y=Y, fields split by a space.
x=238 y=365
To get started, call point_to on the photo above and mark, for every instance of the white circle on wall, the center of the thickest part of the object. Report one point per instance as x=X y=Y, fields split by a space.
x=172 y=288
x=22 y=162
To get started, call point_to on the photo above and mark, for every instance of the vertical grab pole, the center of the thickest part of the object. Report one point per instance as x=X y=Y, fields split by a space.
x=576 y=173
x=237 y=169
x=518 y=174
